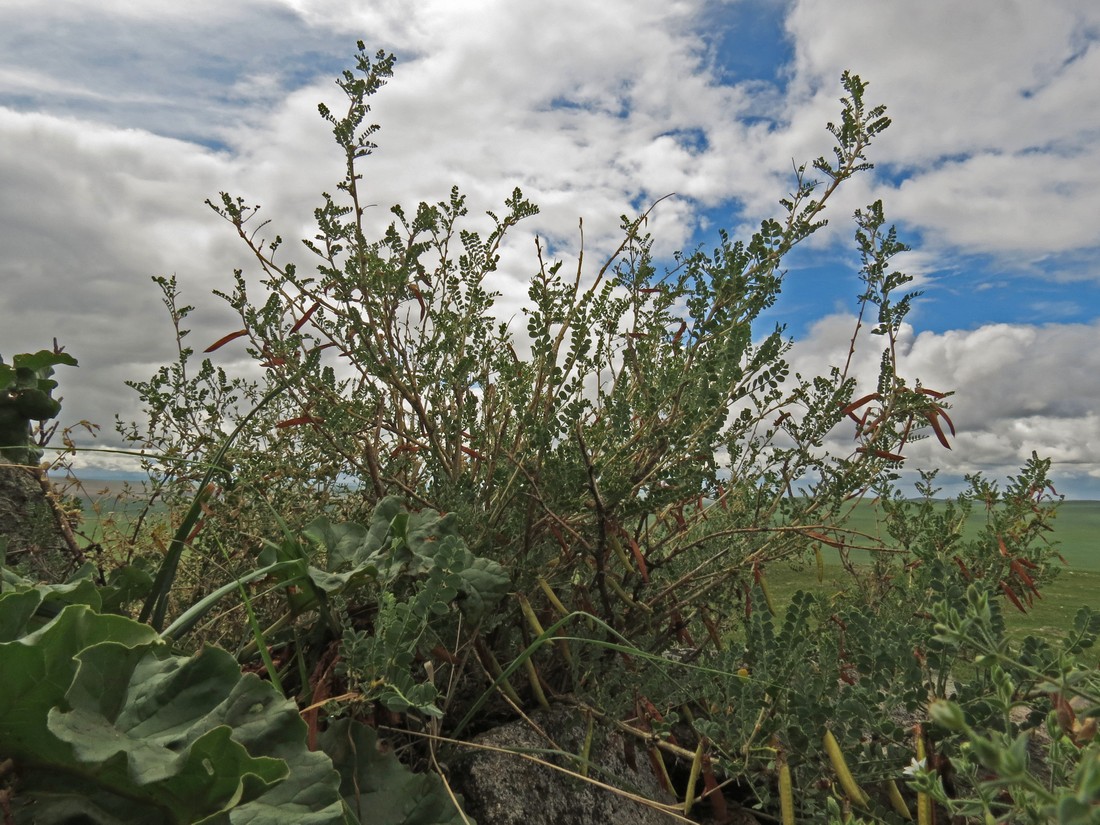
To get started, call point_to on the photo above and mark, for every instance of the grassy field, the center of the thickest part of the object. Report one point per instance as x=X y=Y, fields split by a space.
x=1077 y=533
x=106 y=501
x=1076 y=536
x=1050 y=616
x=1076 y=530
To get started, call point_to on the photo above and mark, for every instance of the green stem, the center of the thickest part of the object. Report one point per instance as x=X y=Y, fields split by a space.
x=156 y=605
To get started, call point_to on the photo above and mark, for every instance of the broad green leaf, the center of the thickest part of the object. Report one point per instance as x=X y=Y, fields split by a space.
x=16 y=612
x=426 y=529
x=34 y=403
x=124 y=585
x=378 y=788
x=343 y=543
x=212 y=773
x=57 y=796
x=96 y=707
x=484 y=583
x=43 y=360
x=38 y=669
x=412 y=543
x=80 y=591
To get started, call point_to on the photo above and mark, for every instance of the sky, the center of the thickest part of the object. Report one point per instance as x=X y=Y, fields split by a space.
x=118 y=118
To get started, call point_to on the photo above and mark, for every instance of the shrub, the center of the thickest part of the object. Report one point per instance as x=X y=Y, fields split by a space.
x=614 y=483
x=642 y=458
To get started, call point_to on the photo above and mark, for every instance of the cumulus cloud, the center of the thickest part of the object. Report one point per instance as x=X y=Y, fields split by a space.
x=1018 y=389
x=996 y=113
x=193 y=70
x=100 y=211
x=119 y=118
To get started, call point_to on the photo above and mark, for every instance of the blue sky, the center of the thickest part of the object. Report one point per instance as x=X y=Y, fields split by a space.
x=119 y=117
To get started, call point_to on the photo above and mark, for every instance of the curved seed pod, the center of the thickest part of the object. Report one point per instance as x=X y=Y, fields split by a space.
x=758 y=573
x=843 y=774
x=924 y=801
x=897 y=801
x=536 y=685
x=552 y=597
x=786 y=792
x=693 y=776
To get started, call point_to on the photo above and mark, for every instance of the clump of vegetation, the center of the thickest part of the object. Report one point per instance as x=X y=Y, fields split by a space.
x=26 y=396
x=35 y=523
x=420 y=520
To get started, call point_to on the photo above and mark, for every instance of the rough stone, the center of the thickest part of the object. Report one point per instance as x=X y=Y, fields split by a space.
x=39 y=538
x=506 y=789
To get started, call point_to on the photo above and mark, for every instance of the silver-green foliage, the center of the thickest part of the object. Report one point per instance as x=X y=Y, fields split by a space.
x=641 y=438
x=417 y=571
x=641 y=453
x=1028 y=749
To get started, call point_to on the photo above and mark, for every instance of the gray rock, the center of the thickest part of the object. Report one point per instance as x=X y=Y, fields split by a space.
x=506 y=789
x=39 y=539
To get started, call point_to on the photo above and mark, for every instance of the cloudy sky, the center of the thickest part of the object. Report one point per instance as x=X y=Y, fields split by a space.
x=118 y=118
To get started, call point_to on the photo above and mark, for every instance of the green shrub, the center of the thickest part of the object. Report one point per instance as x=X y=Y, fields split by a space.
x=586 y=512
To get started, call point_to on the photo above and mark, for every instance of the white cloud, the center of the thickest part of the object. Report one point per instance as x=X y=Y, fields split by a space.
x=1018 y=389
x=99 y=212
x=1008 y=204
x=996 y=113
x=961 y=78
x=122 y=117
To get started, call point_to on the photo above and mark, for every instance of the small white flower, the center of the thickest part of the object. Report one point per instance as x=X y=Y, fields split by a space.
x=915 y=767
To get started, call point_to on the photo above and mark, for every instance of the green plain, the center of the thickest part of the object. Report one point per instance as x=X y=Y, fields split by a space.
x=1076 y=530
x=1076 y=535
